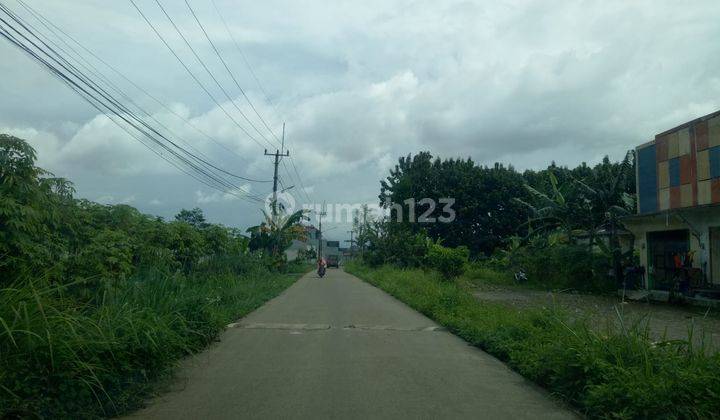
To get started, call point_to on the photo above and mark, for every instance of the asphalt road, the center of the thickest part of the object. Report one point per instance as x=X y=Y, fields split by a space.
x=339 y=348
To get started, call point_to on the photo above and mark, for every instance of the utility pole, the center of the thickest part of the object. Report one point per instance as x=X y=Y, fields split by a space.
x=321 y=214
x=351 y=232
x=362 y=231
x=278 y=154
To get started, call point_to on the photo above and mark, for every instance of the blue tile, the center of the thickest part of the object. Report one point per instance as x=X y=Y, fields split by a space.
x=674 y=168
x=715 y=162
x=647 y=179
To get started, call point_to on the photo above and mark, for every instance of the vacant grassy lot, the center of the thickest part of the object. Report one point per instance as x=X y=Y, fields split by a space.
x=605 y=373
x=665 y=322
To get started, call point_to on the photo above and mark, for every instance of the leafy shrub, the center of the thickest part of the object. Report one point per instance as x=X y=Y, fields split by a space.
x=399 y=247
x=306 y=254
x=559 y=266
x=450 y=262
x=108 y=256
x=488 y=273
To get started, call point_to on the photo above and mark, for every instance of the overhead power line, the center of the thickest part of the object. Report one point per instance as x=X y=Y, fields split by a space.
x=92 y=69
x=244 y=57
x=302 y=184
x=93 y=101
x=208 y=71
x=89 y=85
x=102 y=100
x=262 y=89
x=54 y=29
x=232 y=76
x=192 y=75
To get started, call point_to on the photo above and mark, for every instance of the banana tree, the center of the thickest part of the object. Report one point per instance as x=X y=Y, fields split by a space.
x=275 y=234
x=612 y=198
x=552 y=212
x=609 y=191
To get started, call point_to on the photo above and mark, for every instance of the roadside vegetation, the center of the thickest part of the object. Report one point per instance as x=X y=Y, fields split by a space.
x=98 y=302
x=554 y=229
x=558 y=225
x=605 y=373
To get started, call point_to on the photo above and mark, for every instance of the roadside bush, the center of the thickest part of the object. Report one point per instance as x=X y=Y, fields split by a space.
x=108 y=256
x=97 y=301
x=60 y=358
x=559 y=266
x=485 y=272
x=399 y=247
x=450 y=262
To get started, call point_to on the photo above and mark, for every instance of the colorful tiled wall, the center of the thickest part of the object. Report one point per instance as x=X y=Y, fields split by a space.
x=681 y=168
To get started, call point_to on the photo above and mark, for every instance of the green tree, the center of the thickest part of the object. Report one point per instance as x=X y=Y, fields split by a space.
x=194 y=217
x=32 y=203
x=275 y=234
x=484 y=200
x=186 y=243
x=552 y=212
x=392 y=243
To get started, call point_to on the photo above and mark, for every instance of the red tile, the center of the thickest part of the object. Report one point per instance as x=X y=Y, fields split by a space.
x=686 y=169
x=661 y=148
x=701 y=135
x=715 y=190
x=674 y=197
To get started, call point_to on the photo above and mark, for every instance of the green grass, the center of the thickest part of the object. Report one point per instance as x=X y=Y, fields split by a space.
x=479 y=274
x=605 y=374
x=60 y=358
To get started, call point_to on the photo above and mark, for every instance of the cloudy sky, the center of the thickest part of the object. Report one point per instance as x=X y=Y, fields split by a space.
x=360 y=83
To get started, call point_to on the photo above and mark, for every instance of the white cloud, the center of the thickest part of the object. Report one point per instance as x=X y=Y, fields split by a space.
x=219 y=196
x=111 y=199
x=362 y=83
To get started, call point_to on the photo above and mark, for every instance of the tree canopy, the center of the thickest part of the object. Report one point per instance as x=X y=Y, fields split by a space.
x=494 y=203
x=45 y=230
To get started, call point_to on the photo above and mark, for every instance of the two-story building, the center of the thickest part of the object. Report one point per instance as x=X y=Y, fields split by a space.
x=678 y=206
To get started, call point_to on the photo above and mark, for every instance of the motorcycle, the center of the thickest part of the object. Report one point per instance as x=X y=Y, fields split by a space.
x=321 y=271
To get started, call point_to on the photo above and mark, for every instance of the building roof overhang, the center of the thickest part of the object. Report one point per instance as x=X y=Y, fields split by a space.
x=682 y=211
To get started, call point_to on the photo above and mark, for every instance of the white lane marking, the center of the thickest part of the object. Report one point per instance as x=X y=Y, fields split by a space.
x=317 y=327
x=391 y=328
x=278 y=326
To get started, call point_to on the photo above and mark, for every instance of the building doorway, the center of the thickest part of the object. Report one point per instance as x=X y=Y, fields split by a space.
x=662 y=246
x=715 y=255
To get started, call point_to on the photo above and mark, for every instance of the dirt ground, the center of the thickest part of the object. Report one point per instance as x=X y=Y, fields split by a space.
x=665 y=321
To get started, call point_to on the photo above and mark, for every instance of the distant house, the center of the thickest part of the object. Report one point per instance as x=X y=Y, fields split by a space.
x=678 y=206
x=312 y=242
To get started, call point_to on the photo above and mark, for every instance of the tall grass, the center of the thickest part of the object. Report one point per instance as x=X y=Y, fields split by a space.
x=65 y=357
x=604 y=373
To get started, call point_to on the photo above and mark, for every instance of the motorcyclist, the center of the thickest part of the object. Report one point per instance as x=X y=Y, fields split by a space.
x=322 y=265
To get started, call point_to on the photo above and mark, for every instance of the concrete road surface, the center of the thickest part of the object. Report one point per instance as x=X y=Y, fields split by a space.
x=337 y=347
